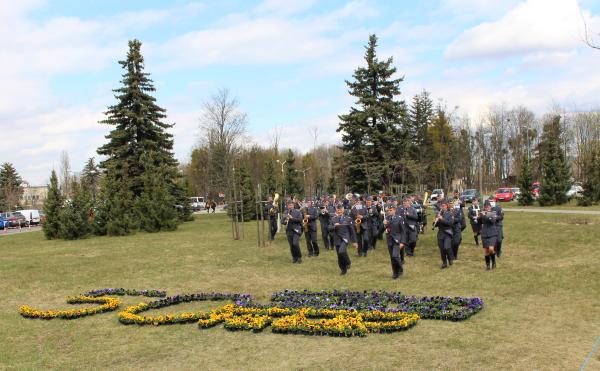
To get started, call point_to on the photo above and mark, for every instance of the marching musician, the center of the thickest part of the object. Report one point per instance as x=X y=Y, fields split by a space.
x=459 y=225
x=444 y=222
x=489 y=234
x=360 y=217
x=499 y=218
x=344 y=233
x=327 y=211
x=293 y=222
x=411 y=218
x=474 y=211
x=310 y=233
x=373 y=224
x=396 y=228
x=271 y=209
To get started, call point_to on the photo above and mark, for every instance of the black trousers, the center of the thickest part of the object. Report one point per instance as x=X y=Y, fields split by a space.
x=456 y=240
x=373 y=232
x=413 y=235
x=343 y=257
x=499 y=242
x=364 y=242
x=294 y=242
x=311 y=240
x=272 y=227
x=326 y=235
x=445 y=246
x=395 y=257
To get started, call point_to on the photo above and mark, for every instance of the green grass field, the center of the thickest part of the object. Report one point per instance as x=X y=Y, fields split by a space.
x=541 y=304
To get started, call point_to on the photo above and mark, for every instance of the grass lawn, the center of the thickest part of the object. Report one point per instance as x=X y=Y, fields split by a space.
x=571 y=205
x=541 y=304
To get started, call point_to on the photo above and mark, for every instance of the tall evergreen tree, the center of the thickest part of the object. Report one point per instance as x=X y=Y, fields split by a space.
x=247 y=193
x=373 y=132
x=555 y=170
x=52 y=208
x=117 y=209
x=10 y=187
x=269 y=177
x=90 y=178
x=421 y=114
x=526 y=183
x=442 y=139
x=75 y=217
x=291 y=182
x=139 y=125
x=155 y=206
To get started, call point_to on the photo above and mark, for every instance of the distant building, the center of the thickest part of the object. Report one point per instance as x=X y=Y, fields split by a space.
x=34 y=196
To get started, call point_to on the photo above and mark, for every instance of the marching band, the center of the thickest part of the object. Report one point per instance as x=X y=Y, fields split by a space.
x=361 y=222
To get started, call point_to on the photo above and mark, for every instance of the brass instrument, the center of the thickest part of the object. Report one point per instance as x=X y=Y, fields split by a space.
x=305 y=220
x=357 y=224
x=275 y=207
x=349 y=196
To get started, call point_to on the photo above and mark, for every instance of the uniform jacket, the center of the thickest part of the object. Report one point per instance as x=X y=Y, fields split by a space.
x=488 y=224
x=397 y=229
x=344 y=232
x=294 y=224
x=445 y=224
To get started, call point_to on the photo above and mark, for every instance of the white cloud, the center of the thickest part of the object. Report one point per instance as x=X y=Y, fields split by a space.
x=532 y=26
x=284 y=7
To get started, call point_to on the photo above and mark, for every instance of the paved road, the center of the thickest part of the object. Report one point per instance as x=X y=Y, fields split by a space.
x=553 y=211
x=6 y=232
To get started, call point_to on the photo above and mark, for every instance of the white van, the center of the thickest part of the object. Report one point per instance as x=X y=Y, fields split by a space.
x=198 y=203
x=32 y=216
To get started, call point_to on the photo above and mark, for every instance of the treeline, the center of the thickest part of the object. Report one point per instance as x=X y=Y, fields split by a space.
x=137 y=186
x=396 y=147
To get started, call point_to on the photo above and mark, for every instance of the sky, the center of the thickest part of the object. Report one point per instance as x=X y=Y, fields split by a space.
x=284 y=61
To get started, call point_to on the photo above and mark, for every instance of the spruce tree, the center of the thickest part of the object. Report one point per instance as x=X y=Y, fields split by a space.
x=247 y=193
x=139 y=125
x=526 y=183
x=90 y=177
x=555 y=170
x=117 y=210
x=155 y=206
x=52 y=208
x=10 y=187
x=75 y=217
x=291 y=180
x=373 y=132
x=269 y=177
x=442 y=139
x=421 y=115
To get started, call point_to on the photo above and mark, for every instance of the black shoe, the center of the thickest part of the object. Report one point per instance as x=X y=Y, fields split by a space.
x=294 y=261
x=342 y=273
x=450 y=262
x=487 y=267
x=395 y=277
x=299 y=260
x=493 y=265
x=444 y=266
x=498 y=254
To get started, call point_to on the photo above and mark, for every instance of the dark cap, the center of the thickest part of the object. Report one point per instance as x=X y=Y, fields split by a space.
x=487 y=203
x=339 y=206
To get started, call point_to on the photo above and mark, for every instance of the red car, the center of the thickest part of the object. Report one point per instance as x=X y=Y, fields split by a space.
x=504 y=194
x=535 y=189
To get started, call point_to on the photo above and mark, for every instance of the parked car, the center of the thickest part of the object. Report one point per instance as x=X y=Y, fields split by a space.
x=15 y=219
x=469 y=195
x=198 y=203
x=575 y=191
x=33 y=216
x=3 y=222
x=436 y=195
x=504 y=194
x=516 y=192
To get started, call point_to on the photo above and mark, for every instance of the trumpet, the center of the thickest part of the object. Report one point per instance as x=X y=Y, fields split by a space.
x=274 y=208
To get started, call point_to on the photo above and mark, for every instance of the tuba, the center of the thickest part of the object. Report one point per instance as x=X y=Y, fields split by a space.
x=357 y=224
x=275 y=207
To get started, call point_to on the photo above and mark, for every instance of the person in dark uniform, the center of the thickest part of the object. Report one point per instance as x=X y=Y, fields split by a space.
x=489 y=234
x=396 y=228
x=499 y=218
x=373 y=225
x=444 y=222
x=473 y=219
x=359 y=215
x=411 y=218
x=459 y=225
x=270 y=213
x=292 y=219
x=344 y=233
x=311 y=234
x=326 y=212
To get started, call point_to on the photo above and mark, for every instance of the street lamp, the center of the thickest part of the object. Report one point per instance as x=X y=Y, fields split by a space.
x=282 y=176
x=527 y=137
x=484 y=136
x=304 y=177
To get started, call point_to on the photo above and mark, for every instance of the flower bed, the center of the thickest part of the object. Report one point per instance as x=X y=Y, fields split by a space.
x=130 y=314
x=108 y=304
x=429 y=307
x=128 y=292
